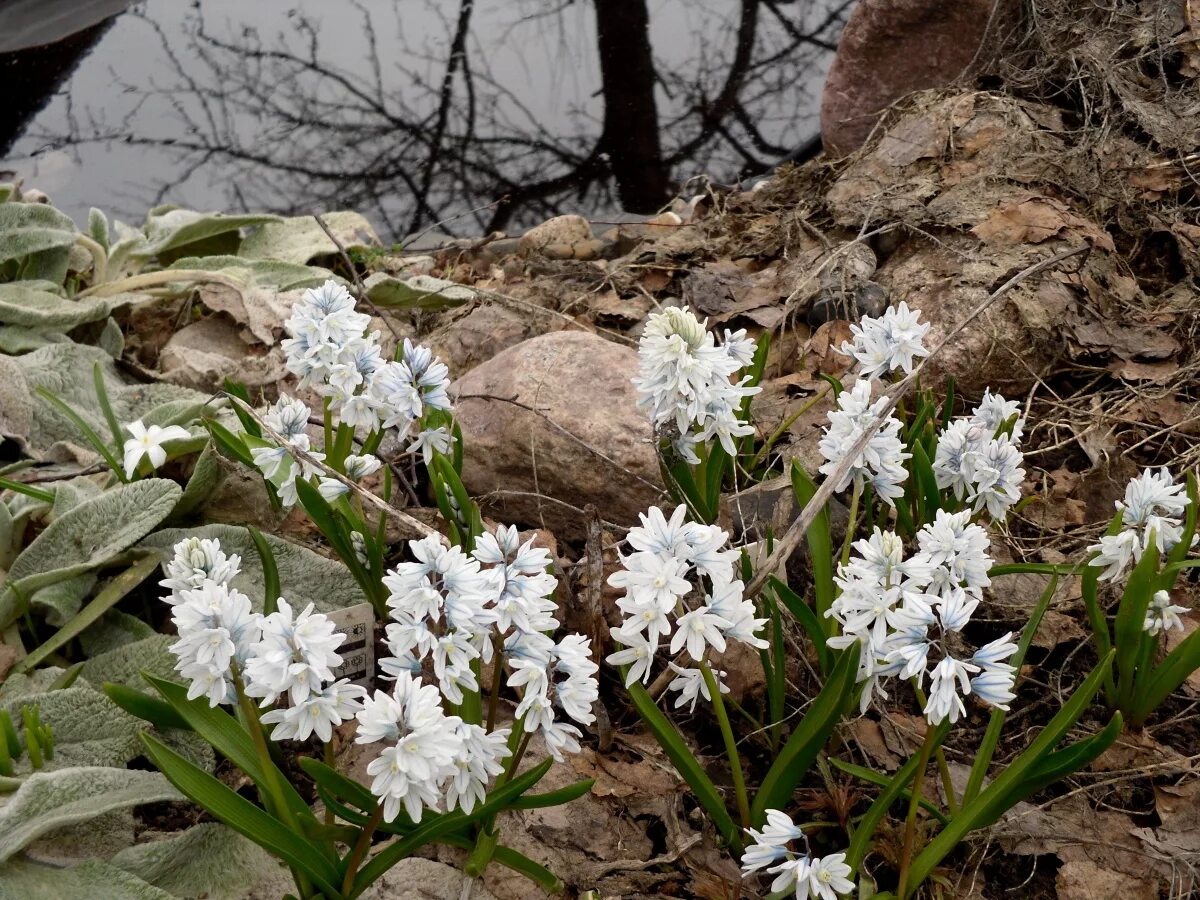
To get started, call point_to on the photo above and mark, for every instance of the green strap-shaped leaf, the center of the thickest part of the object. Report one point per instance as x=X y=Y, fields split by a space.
x=90 y=614
x=807 y=619
x=229 y=739
x=554 y=798
x=270 y=570
x=993 y=800
x=991 y=737
x=143 y=706
x=820 y=546
x=685 y=763
x=1129 y=633
x=864 y=831
x=809 y=738
x=447 y=824
x=243 y=816
x=870 y=776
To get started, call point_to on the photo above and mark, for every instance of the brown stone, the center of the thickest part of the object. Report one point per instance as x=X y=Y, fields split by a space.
x=587 y=443
x=891 y=48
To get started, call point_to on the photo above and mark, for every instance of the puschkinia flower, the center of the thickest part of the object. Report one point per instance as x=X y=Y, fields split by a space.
x=686 y=381
x=892 y=341
x=146 y=442
x=880 y=464
x=1154 y=505
x=908 y=614
x=329 y=349
x=449 y=609
x=223 y=643
x=979 y=461
x=818 y=878
x=196 y=561
x=1161 y=615
x=423 y=746
x=296 y=655
x=680 y=586
x=319 y=713
x=217 y=630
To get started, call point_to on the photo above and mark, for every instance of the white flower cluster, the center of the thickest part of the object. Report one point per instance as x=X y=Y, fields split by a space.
x=330 y=353
x=288 y=417
x=1162 y=615
x=679 y=583
x=685 y=380
x=223 y=642
x=892 y=341
x=908 y=615
x=979 y=463
x=816 y=878
x=429 y=754
x=880 y=464
x=330 y=350
x=1154 y=505
x=451 y=609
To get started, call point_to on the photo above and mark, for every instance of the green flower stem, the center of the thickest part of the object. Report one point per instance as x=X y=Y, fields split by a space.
x=274 y=799
x=99 y=257
x=940 y=756
x=731 y=750
x=332 y=763
x=855 y=496
x=328 y=419
x=497 y=674
x=788 y=423
x=914 y=804
x=361 y=846
x=254 y=726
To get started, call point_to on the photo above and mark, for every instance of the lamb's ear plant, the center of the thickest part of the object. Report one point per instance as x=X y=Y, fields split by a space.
x=1154 y=529
x=470 y=625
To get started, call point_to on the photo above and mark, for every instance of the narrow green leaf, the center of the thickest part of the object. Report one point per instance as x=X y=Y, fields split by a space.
x=991 y=737
x=685 y=763
x=114 y=426
x=802 y=746
x=337 y=784
x=149 y=709
x=237 y=389
x=1129 y=635
x=448 y=823
x=90 y=614
x=870 y=776
x=864 y=831
x=269 y=567
x=535 y=872
x=990 y=804
x=554 y=798
x=28 y=490
x=1166 y=678
x=820 y=547
x=807 y=619
x=243 y=816
x=88 y=432
x=228 y=738
x=229 y=443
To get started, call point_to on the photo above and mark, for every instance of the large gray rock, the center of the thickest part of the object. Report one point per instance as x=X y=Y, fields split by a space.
x=891 y=48
x=579 y=384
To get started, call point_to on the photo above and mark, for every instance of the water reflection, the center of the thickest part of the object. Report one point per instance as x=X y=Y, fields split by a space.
x=475 y=114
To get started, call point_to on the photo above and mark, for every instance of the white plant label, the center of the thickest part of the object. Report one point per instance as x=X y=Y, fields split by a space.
x=358 y=650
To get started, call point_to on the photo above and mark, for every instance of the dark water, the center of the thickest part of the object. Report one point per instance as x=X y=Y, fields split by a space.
x=476 y=114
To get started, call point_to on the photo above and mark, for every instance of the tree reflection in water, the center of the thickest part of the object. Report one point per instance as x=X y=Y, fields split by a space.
x=437 y=124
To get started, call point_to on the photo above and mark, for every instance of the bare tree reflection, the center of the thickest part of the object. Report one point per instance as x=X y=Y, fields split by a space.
x=421 y=133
